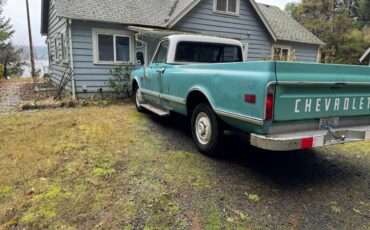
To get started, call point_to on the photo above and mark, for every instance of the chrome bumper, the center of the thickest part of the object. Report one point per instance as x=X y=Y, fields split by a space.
x=310 y=139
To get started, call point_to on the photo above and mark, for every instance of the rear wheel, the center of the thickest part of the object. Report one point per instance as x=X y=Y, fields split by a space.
x=138 y=99
x=205 y=129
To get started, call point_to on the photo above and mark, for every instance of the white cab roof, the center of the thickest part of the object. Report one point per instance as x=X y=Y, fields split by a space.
x=203 y=38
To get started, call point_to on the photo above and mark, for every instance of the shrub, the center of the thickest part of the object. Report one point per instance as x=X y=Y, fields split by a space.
x=119 y=80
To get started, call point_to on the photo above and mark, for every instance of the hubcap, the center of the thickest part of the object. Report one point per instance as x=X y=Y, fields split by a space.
x=203 y=128
x=138 y=97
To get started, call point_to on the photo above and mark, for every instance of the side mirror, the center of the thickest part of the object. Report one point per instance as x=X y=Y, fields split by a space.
x=140 y=58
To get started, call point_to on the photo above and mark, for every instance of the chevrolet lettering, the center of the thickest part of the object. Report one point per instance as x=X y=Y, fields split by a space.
x=280 y=105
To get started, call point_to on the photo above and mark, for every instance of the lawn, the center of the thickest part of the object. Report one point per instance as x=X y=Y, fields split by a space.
x=108 y=167
x=95 y=167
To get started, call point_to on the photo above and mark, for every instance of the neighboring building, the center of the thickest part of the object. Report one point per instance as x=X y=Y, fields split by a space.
x=365 y=57
x=87 y=38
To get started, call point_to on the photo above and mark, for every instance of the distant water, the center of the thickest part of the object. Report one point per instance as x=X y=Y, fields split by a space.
x=39 y=64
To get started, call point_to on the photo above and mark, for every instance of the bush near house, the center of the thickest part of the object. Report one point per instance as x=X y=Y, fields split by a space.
x=1 y=71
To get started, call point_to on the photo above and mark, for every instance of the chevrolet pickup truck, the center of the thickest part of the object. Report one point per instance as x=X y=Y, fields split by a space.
x=282 y=106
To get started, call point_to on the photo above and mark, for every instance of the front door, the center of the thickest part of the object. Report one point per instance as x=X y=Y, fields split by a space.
x=156 y=69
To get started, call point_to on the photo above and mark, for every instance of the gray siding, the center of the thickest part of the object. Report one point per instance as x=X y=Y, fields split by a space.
x=93 y=76
x=247 y=27
x=57 y=66
x=303 y=52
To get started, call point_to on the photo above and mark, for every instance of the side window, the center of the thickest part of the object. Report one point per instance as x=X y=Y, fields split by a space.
x=161 y=55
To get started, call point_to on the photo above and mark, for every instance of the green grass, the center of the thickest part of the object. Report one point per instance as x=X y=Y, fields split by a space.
x=91 y=167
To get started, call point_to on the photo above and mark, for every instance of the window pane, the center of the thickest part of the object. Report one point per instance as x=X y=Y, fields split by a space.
x=198 y=52
x=277 y=53
x=105 y=44
x=221 y=5
x=232 y=6
x=122 y=49
x=285 y=55
x=161 y=56
x=232 y=54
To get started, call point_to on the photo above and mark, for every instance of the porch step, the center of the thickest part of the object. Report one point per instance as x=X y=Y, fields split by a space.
x=160 y=112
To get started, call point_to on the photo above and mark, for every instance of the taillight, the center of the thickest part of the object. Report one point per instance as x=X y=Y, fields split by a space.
x=269 y=107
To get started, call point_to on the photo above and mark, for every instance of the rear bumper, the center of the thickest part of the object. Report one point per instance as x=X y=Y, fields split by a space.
x=311 y=139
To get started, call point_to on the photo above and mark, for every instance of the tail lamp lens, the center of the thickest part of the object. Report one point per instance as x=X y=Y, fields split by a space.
x=269 y=106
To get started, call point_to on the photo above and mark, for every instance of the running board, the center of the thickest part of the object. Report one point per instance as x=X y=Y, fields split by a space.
x=158 y=111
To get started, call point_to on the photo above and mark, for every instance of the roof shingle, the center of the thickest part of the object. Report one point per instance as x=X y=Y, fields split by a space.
x=159 y=13
x=286 y=28
x=137 y=12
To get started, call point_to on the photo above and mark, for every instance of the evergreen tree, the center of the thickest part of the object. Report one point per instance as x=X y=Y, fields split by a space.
x=341 y=24
x=9 y=56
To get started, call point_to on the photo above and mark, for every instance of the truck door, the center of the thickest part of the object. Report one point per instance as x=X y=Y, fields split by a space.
x=155 y=74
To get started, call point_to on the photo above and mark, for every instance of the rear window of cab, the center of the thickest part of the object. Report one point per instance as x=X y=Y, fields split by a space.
x=202 y=52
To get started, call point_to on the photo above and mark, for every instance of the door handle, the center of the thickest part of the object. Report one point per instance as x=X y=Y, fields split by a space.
x=161 y=71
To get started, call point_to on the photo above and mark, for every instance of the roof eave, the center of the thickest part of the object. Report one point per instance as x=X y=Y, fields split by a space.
x=45 y=4
x=175 y=20
x=112 y=22
x=264 y=20
x=302 y=42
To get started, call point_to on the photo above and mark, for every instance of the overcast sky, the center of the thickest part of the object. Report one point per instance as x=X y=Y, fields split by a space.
x=16 y=10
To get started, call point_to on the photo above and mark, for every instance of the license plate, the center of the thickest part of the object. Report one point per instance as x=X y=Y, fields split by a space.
x=331 y=123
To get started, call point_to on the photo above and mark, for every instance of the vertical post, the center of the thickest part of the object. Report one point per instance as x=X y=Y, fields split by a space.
x=33 y=71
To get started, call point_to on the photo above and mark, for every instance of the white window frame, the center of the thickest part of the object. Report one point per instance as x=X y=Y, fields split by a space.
x=245 y=51
x=56 y=48
x=65 y=47
x=289 y=48
x=227 y=8
x=114 y=33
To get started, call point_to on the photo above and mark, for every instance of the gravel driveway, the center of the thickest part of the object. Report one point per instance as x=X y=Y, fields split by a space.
x=327 y=188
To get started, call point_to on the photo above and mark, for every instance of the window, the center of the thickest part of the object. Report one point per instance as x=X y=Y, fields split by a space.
x=280 y=53
x=161 y=55
x=226 y=6
x=111 y=47
x=56 y=48
x=198 y=52
x=51 y=56
x=64 y=42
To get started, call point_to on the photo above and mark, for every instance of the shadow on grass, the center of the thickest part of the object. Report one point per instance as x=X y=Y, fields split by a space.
x=293 y=168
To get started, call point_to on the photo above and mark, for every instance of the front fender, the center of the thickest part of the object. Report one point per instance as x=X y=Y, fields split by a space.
x=138 y=76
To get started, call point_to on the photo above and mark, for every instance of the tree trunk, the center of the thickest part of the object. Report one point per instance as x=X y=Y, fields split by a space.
x=5 y=74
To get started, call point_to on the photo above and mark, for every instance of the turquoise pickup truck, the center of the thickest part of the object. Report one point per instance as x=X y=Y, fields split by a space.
x=281 y=105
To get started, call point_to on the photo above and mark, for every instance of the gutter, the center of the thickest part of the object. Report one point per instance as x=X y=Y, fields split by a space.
x=71 y=59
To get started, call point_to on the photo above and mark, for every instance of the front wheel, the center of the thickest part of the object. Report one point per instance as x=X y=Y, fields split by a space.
x=138 y=99
x=205 y=129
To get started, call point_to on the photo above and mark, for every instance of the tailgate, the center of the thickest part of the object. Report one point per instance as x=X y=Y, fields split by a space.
x=309 y=91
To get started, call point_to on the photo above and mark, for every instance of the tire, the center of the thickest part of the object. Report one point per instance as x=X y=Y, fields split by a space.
x=138 y=98
x=205 y=129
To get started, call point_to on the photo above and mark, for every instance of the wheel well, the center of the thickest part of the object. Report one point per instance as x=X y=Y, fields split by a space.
x=134 y=85
x=195 y=98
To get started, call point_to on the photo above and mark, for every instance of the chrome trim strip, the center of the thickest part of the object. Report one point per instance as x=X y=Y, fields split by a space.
x=249 y=119
x=321 y=83
x=173 y=99
x=148 y=92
